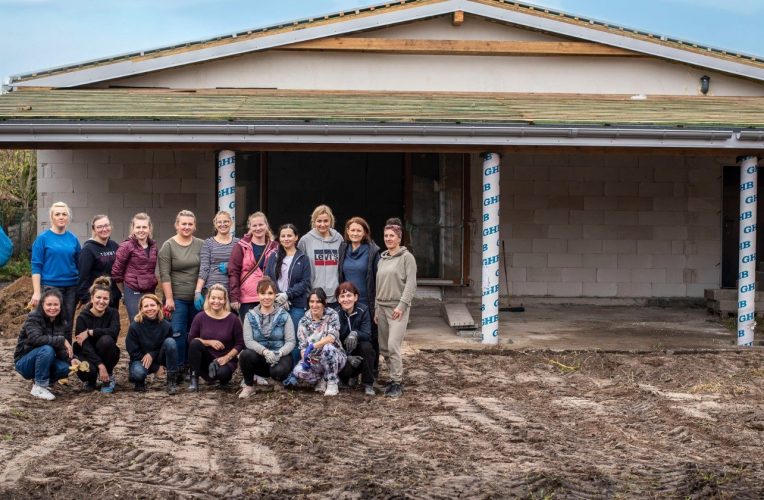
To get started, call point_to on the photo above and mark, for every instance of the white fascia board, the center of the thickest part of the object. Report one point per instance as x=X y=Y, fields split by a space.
x=612 y=39
x=128 y=68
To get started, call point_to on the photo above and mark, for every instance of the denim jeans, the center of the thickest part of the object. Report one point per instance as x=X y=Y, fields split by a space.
x=42 y=365
x=181 y=323
x=244 y=308
x=131 y=298
x=168 y=357
x=69 y=293
x=296 y=313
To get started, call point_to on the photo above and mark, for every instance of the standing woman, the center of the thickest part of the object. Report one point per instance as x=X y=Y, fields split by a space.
x=396 y=284
x=134 y=268
x=97 y=258
x=179 y=271
x=290 y=271
x=359 y=257
x=215 y=340
x=270 y=339
x=321 y=245
x=44 y=350
x=247 y=264
x=55 y=254
x=150 y=345
x=216 y=251
x=95 y=339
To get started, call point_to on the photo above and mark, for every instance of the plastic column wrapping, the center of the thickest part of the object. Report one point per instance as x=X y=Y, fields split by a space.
x=746 y=282
x=490 y=250
x=227 y=184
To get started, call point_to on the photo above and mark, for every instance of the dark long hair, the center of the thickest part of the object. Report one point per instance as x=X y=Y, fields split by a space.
x=281 y=253
x=52 y=292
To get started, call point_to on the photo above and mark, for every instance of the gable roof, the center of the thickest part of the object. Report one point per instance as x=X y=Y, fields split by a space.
x=388 y=14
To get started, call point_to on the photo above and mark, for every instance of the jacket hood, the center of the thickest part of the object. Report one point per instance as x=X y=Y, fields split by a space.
x=334 y=236
x=386 y=254
x=134 y=241
x=92 y=242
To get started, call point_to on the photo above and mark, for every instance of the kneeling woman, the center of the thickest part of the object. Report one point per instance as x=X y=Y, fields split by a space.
x=44 y=351
x=355 y=335
x=150 y=344
x=215 y=340
x=270 y=339
x=97 y=330
x=320 y=349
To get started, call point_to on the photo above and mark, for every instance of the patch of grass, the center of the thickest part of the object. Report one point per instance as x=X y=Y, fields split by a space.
x=7 y=436
x=16 y=268
x=563 y=367
x=18 y=413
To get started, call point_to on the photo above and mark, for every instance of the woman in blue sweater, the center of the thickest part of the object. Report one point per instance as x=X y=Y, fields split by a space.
x=55 y=253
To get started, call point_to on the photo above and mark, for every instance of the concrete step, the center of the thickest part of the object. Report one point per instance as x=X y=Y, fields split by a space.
x=727 y=294
x=458 y=316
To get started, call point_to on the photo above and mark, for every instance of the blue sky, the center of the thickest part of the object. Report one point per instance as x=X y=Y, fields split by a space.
x=39 y=34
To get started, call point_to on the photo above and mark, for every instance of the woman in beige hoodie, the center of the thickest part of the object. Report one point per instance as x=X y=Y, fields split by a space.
x=396 y=284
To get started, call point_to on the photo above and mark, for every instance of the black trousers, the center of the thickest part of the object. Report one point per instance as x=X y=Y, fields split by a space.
x=366 y=368
x=253 y=364
x=107 y=350
x=199 y=359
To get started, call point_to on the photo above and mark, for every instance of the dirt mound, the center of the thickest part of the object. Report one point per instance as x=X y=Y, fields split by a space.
x=13 y=306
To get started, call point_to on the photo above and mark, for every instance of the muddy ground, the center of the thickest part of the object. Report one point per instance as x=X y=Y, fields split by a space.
x=508 y=423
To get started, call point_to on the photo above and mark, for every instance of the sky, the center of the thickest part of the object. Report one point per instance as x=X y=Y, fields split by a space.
x=40 y=34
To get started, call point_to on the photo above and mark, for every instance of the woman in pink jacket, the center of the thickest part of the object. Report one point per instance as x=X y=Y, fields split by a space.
x=246 y=266
x=134 y=268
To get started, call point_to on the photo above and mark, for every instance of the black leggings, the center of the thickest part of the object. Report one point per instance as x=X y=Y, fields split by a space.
x=106 y=349
x=253 y=364
x=199 y=358
x=366 y=368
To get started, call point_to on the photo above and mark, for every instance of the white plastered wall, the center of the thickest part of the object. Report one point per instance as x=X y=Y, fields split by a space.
x=607 y=225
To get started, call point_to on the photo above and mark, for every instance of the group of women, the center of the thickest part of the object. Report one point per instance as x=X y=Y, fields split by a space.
x=317 y=310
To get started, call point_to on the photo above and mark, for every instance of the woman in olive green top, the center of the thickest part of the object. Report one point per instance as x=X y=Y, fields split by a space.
x=178 y=272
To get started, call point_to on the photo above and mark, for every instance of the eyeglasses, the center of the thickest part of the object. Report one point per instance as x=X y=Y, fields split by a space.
x=103 y=226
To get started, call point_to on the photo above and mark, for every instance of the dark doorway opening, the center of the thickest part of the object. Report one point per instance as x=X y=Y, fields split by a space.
x=731 y=228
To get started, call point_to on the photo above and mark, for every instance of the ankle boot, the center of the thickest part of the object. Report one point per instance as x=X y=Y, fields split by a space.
x=194 y=385
x=172 y=386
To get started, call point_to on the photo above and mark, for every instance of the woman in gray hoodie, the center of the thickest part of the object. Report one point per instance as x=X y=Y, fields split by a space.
x=396 y=284
x=322 y=247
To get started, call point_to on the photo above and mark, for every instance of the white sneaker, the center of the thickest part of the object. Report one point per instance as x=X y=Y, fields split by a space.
x=261 y=380
x=332 y=389
x=41 y=392
x=247 y=391
x=321 y=386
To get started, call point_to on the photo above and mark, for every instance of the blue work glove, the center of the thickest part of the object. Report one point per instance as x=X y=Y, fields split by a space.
x=223 y=267
x=198 y=301
x=306 y=356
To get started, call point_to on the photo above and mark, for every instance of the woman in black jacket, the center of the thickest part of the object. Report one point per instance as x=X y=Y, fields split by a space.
x=355 y=335
x=150 y=345
x=44 y=349
x=95 y=341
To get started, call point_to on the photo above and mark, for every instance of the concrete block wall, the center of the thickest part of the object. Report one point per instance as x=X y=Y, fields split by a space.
x=607 y=225
x=120 y=183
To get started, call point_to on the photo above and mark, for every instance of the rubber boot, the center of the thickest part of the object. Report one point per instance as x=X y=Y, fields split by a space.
x=194 y=385
x=172 y=385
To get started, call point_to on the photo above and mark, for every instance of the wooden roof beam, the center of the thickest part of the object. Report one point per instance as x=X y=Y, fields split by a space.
x=460 y=47
x=458 y=18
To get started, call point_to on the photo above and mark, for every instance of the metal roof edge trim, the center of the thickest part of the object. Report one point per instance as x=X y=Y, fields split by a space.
x=466 y=135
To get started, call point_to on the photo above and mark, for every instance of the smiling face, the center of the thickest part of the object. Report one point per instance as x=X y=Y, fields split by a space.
x=392 y=240
x=185 y=226
x=223 y=224
x=141 y=229
x=356 y=233
x=149 y=308
x=315 y=306
x=59 y=218
x=323 y=224
x=258 y=228
x=347 y=301
x=216 y=300
x=100 y=300
x=102 y=228
x=287 y=238
x=51 y=306
x=267 y=297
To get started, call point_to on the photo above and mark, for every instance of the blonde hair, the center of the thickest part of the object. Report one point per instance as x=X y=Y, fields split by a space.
x=141 y=216
x=60 y=204
x=217 y=287
x=268 y=232
x=150 y=296
x=185 y=213
x=320 y=210
x=221 y=213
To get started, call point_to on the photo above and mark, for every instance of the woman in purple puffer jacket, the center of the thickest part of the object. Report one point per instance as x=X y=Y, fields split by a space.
x=134 y=268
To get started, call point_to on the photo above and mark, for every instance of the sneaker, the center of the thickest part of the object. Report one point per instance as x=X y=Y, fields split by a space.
x=332 y=389
x=290 y=381
x=139 y=387
x=320 y=386
x=394 y=391
x=247 y=391
x=109 y=388
x=41 y=392
x=368 y=390
x=261 y=380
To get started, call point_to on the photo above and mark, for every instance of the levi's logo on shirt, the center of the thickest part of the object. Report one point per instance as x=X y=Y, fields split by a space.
x=326 y=257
